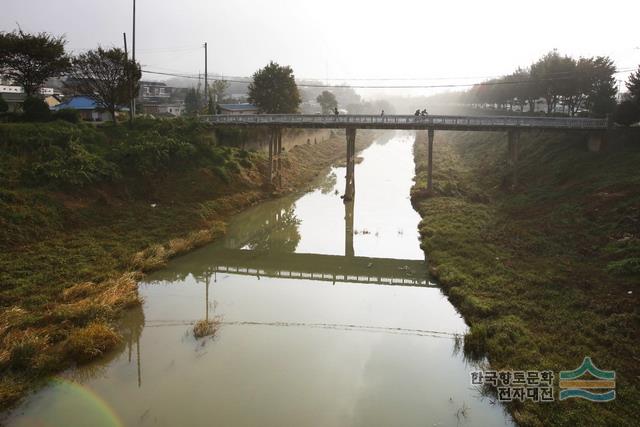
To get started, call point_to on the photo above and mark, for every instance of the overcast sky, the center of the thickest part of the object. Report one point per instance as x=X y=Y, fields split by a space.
x=343 y=39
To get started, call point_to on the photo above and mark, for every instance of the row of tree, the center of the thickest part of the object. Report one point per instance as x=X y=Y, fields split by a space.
x=584 y=85
x=107 y=75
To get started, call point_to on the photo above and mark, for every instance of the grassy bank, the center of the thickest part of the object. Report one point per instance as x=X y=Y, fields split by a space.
x=84 y=212
x=545 y=274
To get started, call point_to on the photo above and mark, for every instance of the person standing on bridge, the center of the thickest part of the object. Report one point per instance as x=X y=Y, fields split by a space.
x=382 y=113
x=335 y=111
x=417 y=113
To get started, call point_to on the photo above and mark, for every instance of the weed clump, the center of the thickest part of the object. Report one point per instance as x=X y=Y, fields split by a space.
x=91 y=341
x=204 y=328
x=21 y=348
x=149 y=259
x=121 y=292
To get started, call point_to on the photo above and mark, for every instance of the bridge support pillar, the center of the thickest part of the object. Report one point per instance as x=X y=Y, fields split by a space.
x=350 y=186
x=513 y=148
x=275 y=164
x=279 y=158
x=271 y=137
x=430 y=135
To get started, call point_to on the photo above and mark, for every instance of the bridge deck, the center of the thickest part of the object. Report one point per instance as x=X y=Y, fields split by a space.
x=489 y=123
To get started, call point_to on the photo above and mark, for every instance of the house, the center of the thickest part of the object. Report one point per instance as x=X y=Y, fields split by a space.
x=52 y=100
x=14 y=96
x=244 y=108
x=89 y=108
x=152 y=95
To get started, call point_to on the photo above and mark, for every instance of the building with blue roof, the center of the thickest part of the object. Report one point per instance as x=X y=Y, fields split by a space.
x=89 y=109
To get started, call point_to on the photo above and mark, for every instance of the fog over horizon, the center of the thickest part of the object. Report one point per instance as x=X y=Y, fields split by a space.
x=372 y=43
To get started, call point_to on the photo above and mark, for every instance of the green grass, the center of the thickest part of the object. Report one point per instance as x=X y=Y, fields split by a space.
x=542 y=274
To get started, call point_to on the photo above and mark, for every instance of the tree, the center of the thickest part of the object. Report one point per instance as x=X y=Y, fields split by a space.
x=627 y=113
x=327 y=102
x=552 y=74
x=192 y=102
x=633 y=84
x=218 y=89
x=601 y=93
x=30 y=59
x=522 y=89
x=274 y=90
x=105 y=75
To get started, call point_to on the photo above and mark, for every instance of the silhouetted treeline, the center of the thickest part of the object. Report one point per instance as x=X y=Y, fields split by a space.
x=558 y=83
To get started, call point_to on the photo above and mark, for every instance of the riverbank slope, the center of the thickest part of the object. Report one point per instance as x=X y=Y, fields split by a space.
x=85 y=211
x=545 y=274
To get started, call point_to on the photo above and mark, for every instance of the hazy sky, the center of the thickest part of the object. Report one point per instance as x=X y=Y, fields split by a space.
x=343 y=39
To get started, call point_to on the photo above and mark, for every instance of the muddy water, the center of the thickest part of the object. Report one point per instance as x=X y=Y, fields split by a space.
x=326 y=318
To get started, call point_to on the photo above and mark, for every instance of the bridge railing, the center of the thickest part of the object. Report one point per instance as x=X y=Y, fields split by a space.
x=408 y=120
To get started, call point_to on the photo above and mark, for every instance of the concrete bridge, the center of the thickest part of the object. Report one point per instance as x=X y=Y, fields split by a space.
x=512 y=125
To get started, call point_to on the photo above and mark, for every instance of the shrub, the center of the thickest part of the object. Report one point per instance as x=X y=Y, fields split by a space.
x=70 y=166
x=35 y=110
x=68 y=115
x=150 y=153
x=627 y=113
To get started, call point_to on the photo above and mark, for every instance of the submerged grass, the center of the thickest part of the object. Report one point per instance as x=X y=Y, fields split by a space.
x=71 y=255
x=546 y=274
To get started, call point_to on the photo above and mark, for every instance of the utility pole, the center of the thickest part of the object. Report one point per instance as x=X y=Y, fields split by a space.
x=129 y=72
x=206 y=81
x=133 y=57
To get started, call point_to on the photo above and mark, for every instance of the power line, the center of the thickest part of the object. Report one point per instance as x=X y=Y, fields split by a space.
x=311 y=79
x=246 y=80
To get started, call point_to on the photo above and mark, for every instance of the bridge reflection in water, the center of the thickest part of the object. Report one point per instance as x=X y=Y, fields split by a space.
x=329 y=268
x=266 y=249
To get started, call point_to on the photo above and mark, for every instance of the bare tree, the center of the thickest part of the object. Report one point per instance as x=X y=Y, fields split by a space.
x=104 y=75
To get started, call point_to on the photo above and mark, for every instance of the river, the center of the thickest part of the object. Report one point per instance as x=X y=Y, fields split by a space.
x=325 y=316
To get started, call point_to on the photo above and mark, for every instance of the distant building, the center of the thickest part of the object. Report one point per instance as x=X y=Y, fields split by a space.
x=89 y=109
x=14 y=96
x=152 y=95
x=157 y=98
x=52 y=100
x=244 y=108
